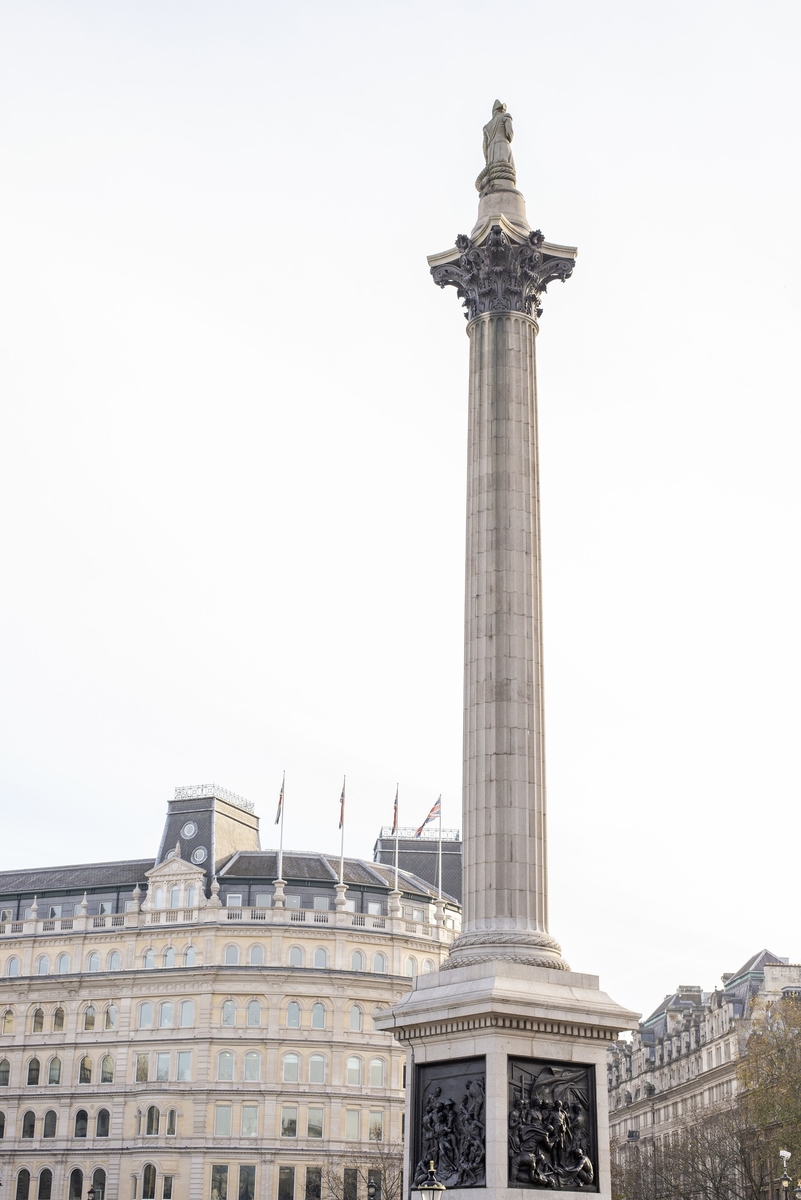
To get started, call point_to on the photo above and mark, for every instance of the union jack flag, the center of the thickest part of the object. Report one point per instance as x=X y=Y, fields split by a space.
x=436 y=811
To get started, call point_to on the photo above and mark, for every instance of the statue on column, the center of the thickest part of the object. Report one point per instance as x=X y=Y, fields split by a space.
x=499 y=173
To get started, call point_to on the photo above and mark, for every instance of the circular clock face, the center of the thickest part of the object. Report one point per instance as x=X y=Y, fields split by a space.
x=200 y=855
x=189 y=830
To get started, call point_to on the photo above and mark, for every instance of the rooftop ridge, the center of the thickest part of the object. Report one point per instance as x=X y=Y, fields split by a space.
x=203 y=791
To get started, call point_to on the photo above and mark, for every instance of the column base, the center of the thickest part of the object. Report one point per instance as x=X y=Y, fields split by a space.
x=505 y=945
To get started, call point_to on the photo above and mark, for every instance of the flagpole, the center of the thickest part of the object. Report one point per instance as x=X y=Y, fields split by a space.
x=342 y=838
x=397 y=834
x=439 y=851
x=281 y=833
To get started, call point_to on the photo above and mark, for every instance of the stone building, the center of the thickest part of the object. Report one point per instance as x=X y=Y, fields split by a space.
x=683 y=1057
x=423 y=856
x=185 y=1026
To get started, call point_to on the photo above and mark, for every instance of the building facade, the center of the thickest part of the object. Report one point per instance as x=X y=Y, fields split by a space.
x=683 y=1058
x=183 y=1027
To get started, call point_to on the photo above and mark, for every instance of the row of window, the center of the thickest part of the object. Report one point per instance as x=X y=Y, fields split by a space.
x=231 y=958
x=34 y=1074
x=43 y=1186
x=163 y=1016
x=48 y=1125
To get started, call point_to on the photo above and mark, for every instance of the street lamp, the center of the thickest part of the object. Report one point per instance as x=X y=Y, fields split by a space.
x=90 y=1195
x=430 y=1188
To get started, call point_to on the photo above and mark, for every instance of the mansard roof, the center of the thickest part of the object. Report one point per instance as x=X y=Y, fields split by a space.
x=301 y=867
x=76 y=877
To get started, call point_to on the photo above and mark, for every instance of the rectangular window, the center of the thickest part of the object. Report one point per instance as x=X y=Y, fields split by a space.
x=233 y=900
x=219 y=1182
x=376 y=1126
x=374 y=1182
x=247 y=1182
x=289 y=1121
x=105 y=907
x=162 y=1067
x=314 y=1126
x=6 y=914
x=352 y=1124
x=250 y=1120
x=175 y=897
x=263 y=900
x=286 y=1183
x=141 y=1067
x=131 y=906
x=184 y=1066
x=375 y=907
x=222 y=1120
x=292 y=902
x=54 y=911
x=350 y=1190
x=166 y=1187
x=322 y=903
x=314 y=1183
x=350 y=906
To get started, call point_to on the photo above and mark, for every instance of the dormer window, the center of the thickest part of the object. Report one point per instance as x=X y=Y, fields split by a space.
x=234 y=900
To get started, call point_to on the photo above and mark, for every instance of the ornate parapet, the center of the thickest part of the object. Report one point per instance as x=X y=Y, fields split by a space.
x=502 y=272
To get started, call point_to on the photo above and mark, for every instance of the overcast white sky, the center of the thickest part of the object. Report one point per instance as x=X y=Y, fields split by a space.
x=233 y=437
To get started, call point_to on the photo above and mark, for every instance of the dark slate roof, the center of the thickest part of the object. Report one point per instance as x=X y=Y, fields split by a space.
x=80 y=876
x=754 y=966
x=300 y=868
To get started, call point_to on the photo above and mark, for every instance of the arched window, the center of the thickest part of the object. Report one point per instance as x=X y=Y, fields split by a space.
x=165 y=1014
x=316 y=1068
x=146 y=1015
x=115 y=961
x=28 y=1124
x=355 y=1019
x=89 y=1018
x=186 y=1014
x=42 y=964
x=291 y=1068
x=93 y=962
x=12 y=966
x=4 y=1072
x=376 y=1072
x=8 y=1021
x=99 y=1184
x=189 y=956
x=256 y=956
x=149 y=1182
x=45 y=1189
x=353 y=1071
x=81 y=1123
x=252 y=1066
x=85 y=1071
x=63 y=966
x=172 y=1122
x=190 y=897
x=410 y=967
x=58 y=1020
x=254 y=1013
x=23 y=1185
x=54 y=1071
x=225 y=1065
x=152 y=1122
x=38 y=1020
x=229 y=1012
x=169 y=957
x=231 y=956
x=357 y=961
x=158 y=898
x=76 y=1184
x=318 y=1016
x=428 y=967
x=296 y=957
x=380 y=964
x=321 y=958
x=107 y=1069
x=33 y=1072
x=50 y=1124
x=102 y=1123
x=111 y=1017
x=293 y=1015
x=148 y=960
x=175 y=897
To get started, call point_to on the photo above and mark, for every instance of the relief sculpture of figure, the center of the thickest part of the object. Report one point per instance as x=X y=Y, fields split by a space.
x=499 y=173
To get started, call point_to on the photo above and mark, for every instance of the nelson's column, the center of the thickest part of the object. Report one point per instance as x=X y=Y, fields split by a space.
x=506 y=1045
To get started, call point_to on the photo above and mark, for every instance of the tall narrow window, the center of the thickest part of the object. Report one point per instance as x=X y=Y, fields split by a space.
x=355 y=1019
x=291 y=1072
x=145 y=1015
x=28 y=1124
x=23 y=1185
x=320 y=959
x=296 y=957
x=89 y=1018
x=115 y=961
x=93 y=962
x=250 y=1121
x=286 y=1183
x=254 y=1013
x=152 y=1121
x=8 y=1021
x=148 y=960
x=314 y=1122
x=293 y=1015
x=257 y=956
x=314 y=1183
x=252 y=1066
x=169 y=957
x=3 y=1125
x=165 y=1015
x=102 y=1123
x=410 y=968
x=172 y=1122
x=353 y=1071
x=357 y=961
x=99 y=1184
x=158 y=898
x=376 y=1072
x=189 y=956
x=350 y=1190
x=45 y=1189
x=231 y=957
x=12 y=967
x=42 y=965
x=5 y=1069
x=225 y=1065
x=186 y=1014
x=85 y=1071
x=219 y=1182
x=352 y=1116
x=380 y=964
x=162 y=1067
x=247 y=1182
x=190 y=897
x=229 y=1013
x=222 y=1120
x=38 y=1021
x=149 y=1182
x=142 y=1064
x=33 y=1072
x=111 y=1017
x=175 y=897
x=184 y=1072
x=317 y=1068
x=81 y=1123
x=289 y=1121
x=63 y=968
x=50 y=1124
x=107 y=1069
x=58 y=1020
x=376 y=1126
x=318 y=1016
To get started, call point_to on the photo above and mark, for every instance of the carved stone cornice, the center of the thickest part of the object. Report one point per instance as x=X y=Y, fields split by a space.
x=500 y=273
